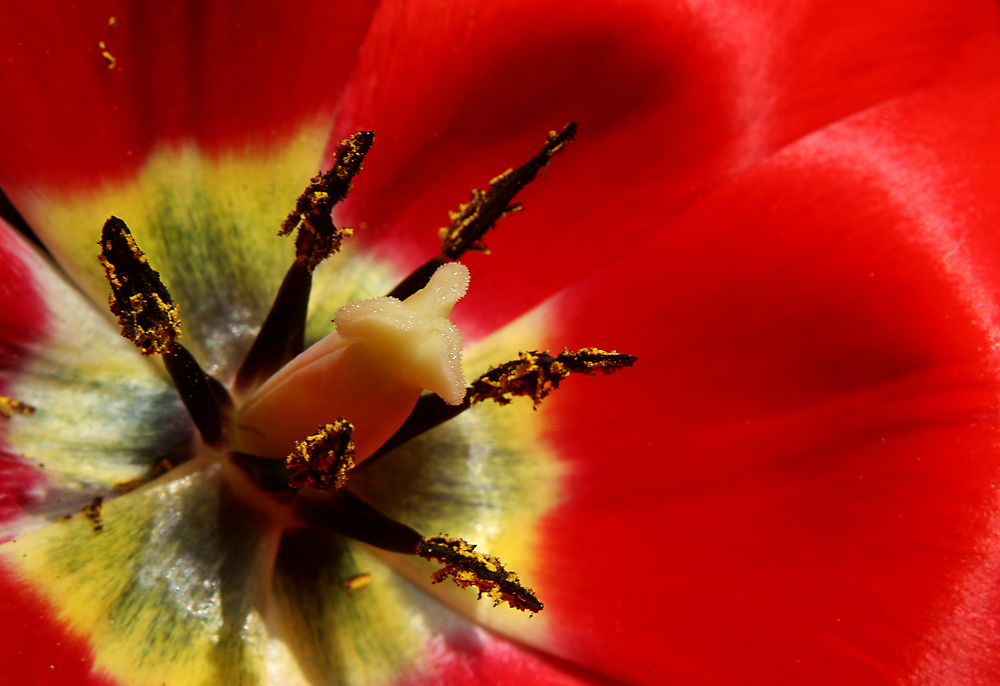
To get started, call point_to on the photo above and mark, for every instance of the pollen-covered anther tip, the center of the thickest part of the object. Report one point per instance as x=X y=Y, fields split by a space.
x=8 y=406
x=536 y=374
x=467 y=567
x=317 y=236
x=94 y=513
x=472 y=220
x=146 y=313
x=413 y=336
x=324 y=459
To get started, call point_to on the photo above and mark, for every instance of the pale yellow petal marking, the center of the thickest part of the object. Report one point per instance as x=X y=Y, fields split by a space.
x=209 y=224
x=148 y=590
x=103 y=413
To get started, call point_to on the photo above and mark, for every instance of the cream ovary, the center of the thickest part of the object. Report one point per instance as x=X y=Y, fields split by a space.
x=370 y=371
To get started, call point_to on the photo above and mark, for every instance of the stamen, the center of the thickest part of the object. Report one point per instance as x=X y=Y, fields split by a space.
x=196 y=393
x=469 y=568
x=536 y=374
x=282 y=334
x=317 y=237
x=323 y=459
x=8 y=406
x=472 y=220
x=350 y=516
x=149 y=318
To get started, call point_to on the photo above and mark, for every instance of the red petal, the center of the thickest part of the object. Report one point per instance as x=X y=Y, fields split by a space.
x=35 y=649
x=475 y=657
x=680 y=94
x=218 y=72
x=23 y=317
x=797 y=481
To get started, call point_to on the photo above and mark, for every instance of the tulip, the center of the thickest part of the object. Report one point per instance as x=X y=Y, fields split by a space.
x=787 y=211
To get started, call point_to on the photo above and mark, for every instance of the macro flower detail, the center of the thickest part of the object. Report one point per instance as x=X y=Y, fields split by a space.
x=786 y=211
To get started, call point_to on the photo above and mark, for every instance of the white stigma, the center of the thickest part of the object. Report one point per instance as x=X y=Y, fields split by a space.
x=370 y=371
x=414 y=336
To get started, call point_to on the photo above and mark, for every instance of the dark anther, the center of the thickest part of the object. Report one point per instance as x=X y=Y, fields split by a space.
x=471 y=221
x=471 y=568
x=536 y=374
x=350 y=516
x=324 y=459
x=145 y=311
x=532 y=374
x=317 y=237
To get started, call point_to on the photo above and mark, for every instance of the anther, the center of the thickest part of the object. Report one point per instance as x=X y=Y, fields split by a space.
x=146 y=313
x=8 y=406
x=535 y=374
x=472 y=220
x=350 y=516
x=317 y=237
x=471 y=568
x=323 y=459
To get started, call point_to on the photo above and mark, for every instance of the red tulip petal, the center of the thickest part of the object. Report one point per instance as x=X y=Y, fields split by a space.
x=670 y=98
x=798 y=479
x=219 y=73
x=22 y=323
x=37 y=649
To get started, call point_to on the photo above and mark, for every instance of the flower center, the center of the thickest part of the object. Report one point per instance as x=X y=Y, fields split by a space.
x=304 y=419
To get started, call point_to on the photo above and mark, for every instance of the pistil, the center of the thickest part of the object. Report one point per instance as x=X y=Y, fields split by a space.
x=371 y=370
